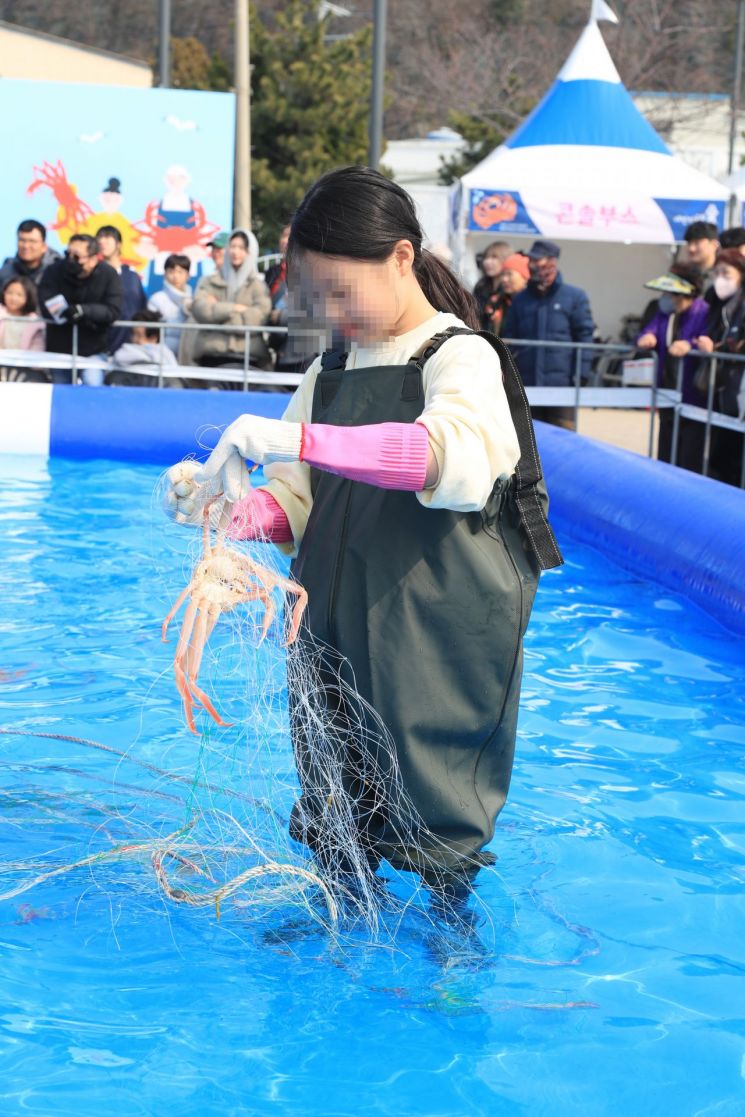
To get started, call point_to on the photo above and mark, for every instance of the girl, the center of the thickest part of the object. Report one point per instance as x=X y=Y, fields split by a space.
x=404 y=479
x=237 y=296
x=20 y=325
x=488 y=290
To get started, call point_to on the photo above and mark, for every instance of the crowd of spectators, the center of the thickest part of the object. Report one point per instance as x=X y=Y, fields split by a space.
x=55 y=304
x=698 y=309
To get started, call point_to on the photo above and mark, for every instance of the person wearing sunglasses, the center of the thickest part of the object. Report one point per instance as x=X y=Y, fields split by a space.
x=83 y=292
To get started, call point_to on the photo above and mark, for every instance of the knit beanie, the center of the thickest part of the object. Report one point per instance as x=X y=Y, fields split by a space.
x=519 y=263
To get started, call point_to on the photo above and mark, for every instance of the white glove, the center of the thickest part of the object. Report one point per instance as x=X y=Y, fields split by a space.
x=254 y=439
x=185 y=498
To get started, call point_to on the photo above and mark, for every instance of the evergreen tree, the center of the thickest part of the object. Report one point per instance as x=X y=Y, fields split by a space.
x=192 y=67
x=310 y=108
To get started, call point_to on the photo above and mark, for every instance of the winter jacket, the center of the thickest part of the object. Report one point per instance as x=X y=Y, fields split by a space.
x=133 y=300
x=173 y=306
x=678 y=327
x=31 y=334
x=13 y=268
x=100 y=297
x=562 y=313
x=211 y=306
x=726 y=328
x=149 y=353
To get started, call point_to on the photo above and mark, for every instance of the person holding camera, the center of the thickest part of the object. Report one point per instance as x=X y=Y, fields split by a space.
x=80 y=290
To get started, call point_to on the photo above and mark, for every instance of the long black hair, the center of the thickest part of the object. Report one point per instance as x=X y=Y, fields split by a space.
x=356 y=212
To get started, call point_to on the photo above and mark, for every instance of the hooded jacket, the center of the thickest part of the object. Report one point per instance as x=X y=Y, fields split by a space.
x=215 y=303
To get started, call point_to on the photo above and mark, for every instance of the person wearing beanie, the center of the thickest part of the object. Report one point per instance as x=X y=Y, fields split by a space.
x=513 y=279
x=725 y=332
x=672 y=333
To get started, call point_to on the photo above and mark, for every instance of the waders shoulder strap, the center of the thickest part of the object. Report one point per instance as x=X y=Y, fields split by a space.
x=528 y=473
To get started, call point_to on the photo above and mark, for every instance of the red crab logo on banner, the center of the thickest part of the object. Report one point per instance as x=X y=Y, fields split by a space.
x=492 y=209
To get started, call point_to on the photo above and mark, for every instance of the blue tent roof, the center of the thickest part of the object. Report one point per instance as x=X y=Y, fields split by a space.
x=588 y=105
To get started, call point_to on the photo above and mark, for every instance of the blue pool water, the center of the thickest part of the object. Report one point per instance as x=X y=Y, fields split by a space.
x=609 y=978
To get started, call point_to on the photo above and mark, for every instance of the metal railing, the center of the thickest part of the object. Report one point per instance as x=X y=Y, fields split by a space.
x=246 y=376
x=585 y=391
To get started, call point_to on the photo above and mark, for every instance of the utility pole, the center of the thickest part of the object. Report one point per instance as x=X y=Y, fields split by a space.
x=242 y=180
x=733 y=220
x=164 y=59
x=378 y=85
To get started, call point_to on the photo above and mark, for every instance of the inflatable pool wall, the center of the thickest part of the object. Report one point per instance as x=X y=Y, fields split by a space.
x=673 y=527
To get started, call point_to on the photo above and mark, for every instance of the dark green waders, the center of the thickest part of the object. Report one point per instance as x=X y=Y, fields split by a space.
x=427 y=608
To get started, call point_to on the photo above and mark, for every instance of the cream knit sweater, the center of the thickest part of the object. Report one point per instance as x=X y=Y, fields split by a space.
x=465 y=412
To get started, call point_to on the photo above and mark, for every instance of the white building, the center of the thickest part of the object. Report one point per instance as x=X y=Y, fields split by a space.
x=415 y=164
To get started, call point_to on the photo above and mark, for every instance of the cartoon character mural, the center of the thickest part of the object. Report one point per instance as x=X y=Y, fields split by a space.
x=176 y=223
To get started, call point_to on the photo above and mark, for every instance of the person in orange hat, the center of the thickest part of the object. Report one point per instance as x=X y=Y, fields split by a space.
x=513 y=278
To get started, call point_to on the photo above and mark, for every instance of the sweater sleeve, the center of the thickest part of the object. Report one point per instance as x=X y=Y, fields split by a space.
x=469 y=423
x=289 y=482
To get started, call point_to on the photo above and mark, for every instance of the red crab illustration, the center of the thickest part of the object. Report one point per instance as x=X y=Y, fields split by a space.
x=72 y=210
x=162 y=237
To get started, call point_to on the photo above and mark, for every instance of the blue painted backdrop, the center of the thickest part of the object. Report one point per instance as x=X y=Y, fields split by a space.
x=171 y=152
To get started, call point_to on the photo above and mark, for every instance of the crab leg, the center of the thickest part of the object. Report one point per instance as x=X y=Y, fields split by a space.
x=182 y=683
x=260 y=593
x=179 y=602
x=297 y=612
x=202 y=632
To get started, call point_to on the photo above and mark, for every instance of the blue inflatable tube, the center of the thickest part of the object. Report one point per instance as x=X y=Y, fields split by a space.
x=673 y=527
x=683 y=531
x=143 y=425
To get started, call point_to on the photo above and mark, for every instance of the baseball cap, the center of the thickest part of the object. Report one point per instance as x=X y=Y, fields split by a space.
x=219 y=241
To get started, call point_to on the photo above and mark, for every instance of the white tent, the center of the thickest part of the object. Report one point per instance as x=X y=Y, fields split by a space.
x=586 y=169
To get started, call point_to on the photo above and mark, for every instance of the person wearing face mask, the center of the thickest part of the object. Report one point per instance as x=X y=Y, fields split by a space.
x=672 y=333
x=237 y=296
x=82 y=290
x=549 y=310
x=725 y=332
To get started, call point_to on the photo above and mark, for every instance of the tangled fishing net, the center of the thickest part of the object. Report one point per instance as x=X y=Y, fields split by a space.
x=221 y=837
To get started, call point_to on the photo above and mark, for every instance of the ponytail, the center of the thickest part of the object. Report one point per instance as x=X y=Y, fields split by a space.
x=358 y=213
x=444 y=290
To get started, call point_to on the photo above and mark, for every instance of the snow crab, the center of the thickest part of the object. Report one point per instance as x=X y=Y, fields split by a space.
x=222 y=579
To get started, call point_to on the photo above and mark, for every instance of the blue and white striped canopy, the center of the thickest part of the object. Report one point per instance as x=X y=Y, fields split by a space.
x=587 y=165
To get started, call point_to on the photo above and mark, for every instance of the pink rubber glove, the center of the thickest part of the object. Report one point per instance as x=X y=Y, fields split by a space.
x=259 y=516
x=387 y=455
